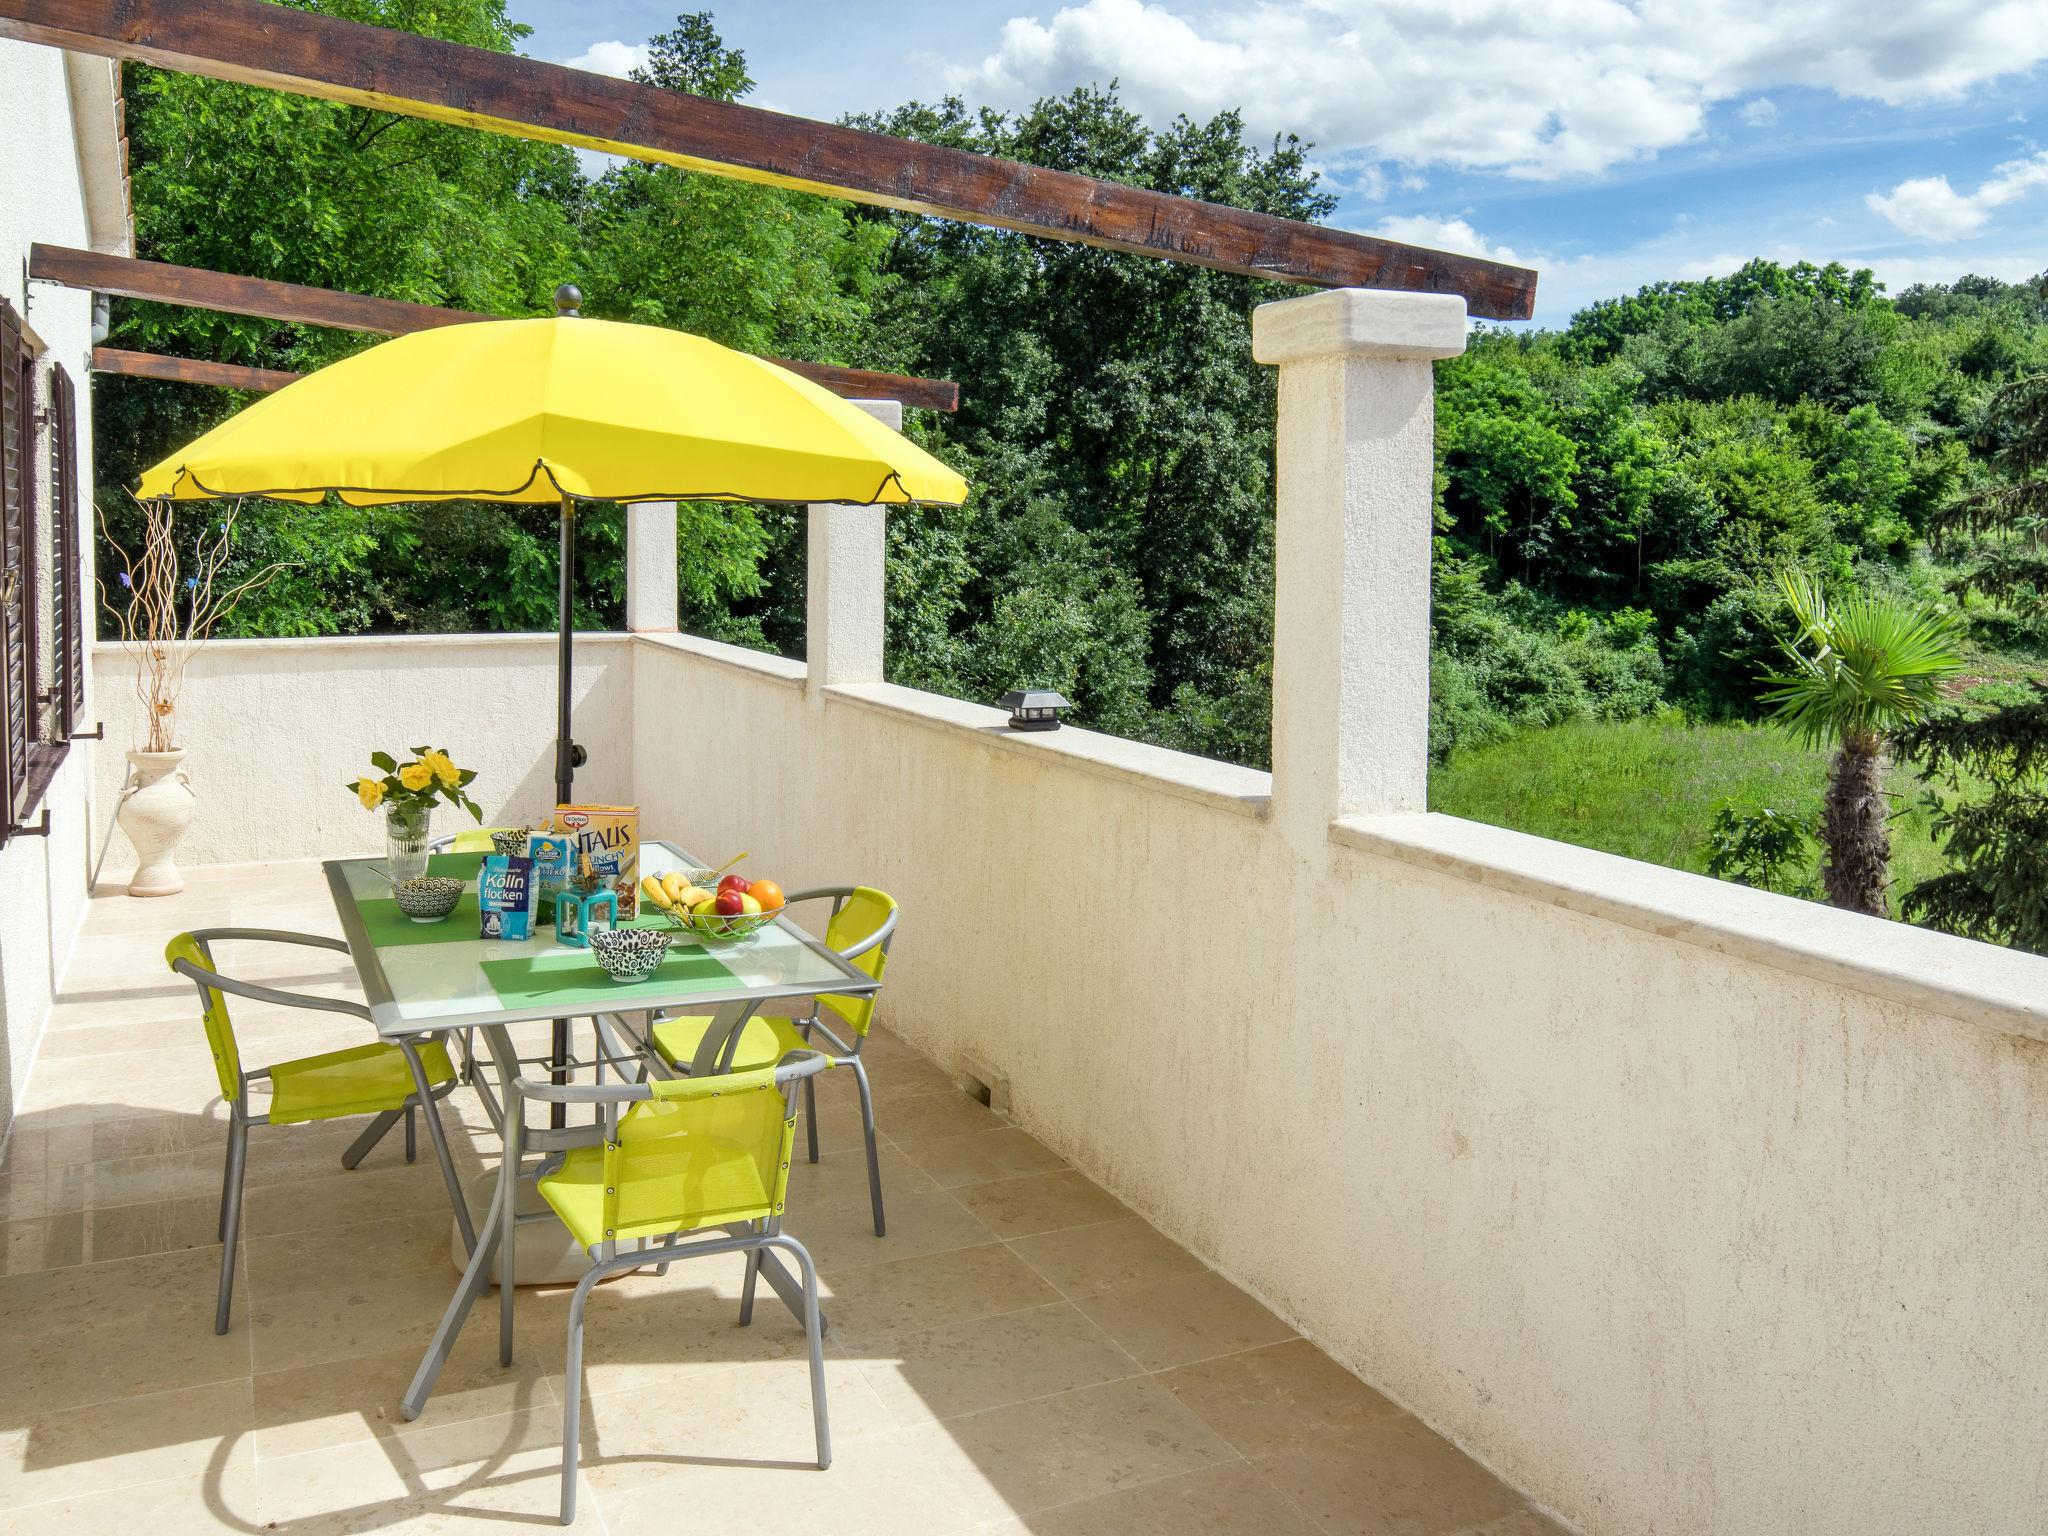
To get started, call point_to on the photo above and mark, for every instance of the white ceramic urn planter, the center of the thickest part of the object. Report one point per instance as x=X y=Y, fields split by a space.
x=156 y=811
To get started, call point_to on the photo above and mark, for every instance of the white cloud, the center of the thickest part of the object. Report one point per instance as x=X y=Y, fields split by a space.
x=1444 y=235
x=1535 y=88
x=1760 y=113
x=611 y=57
x=1928 y=208
x=1370 y=183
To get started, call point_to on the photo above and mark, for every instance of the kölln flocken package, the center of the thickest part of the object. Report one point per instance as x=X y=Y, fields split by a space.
x=504 y=897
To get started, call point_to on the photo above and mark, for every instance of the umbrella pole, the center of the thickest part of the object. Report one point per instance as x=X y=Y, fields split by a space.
x=565 y=748
x=565 y=755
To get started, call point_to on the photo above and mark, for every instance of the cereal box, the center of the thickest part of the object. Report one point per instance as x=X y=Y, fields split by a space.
x=504 y=897
x=608 y=837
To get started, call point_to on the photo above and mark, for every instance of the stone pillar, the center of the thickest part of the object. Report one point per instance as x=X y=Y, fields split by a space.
x=1353 y=499
x=844 y=587
x=651 y=566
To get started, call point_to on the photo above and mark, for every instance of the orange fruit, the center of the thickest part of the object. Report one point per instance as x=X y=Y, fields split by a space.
x=768 y=893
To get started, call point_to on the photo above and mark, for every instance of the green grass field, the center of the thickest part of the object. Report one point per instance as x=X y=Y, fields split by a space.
x=1648 y=789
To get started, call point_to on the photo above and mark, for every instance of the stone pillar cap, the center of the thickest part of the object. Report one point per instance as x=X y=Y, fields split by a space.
x=1359 y=322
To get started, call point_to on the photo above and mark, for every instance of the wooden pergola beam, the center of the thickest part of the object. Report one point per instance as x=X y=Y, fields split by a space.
x=265 y=299
x=259 y=297
x=189 y=370
x=291 y=50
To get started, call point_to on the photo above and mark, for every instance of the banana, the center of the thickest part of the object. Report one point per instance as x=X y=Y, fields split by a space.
x=672 y=886
x=652 y=888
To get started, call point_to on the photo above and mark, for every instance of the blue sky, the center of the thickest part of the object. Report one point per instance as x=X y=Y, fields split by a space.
x=1608 y=143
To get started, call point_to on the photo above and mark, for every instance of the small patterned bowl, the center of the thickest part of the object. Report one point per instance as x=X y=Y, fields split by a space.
x=429 y=898
x=510 y=841
x=629 y=954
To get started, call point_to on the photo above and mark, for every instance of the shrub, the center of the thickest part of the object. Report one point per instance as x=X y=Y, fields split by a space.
x=1714 y=668
x=1766 y=849
x=1492 y=673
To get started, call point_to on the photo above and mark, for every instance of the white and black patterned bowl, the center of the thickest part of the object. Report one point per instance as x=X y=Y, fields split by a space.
x=629 y=954
x=427 y=899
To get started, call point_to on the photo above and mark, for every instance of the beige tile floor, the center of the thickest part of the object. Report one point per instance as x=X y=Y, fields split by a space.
x=1020 y=1354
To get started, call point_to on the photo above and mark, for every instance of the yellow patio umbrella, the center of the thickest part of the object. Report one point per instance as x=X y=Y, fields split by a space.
x=554 y=410
x=539 y=410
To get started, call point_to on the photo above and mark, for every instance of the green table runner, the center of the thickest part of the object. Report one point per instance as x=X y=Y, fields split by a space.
x=571 y=979
x=389 y=927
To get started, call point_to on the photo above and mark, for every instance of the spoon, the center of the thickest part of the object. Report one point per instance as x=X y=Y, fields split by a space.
x=728 y=864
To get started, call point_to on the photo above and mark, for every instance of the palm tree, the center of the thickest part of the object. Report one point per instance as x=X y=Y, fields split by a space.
x=1859 y=670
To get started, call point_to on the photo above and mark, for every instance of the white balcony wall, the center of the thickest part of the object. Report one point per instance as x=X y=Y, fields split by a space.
x=276 y=727
x=1688 y=1208
x=60 y=168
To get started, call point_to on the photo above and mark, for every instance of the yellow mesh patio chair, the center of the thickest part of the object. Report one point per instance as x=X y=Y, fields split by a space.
x=694 y=1166
x=862 y=924
x=468 y=840
x=386 y=1080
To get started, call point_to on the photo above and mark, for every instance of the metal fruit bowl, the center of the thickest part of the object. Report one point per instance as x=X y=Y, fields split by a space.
x=629 y=954
x=713 y=926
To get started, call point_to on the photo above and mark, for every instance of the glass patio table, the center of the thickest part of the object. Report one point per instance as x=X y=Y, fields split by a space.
x=438 y=977
x=441 y=978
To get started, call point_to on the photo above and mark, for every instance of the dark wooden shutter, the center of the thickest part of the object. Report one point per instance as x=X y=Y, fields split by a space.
x=67 y=606
x=17 y=590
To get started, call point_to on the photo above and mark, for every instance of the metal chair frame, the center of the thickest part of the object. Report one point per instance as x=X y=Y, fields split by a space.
x=750 y=1238
x=843 y=1054
x=424 y=1094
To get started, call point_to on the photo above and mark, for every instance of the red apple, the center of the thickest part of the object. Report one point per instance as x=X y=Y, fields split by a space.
x=732 y=883
x=729 y=903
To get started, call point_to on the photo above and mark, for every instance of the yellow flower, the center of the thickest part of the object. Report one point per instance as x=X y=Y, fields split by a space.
x=415 y=776
x=370 y=791
x=444 y=769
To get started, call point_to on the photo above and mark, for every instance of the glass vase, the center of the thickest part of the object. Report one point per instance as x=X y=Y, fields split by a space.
x=405 y=840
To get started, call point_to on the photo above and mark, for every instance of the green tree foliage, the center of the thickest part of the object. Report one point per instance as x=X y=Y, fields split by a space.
x=753 y=267
x=1115 y=428
x=1669 y=452
x=1599 y=331
x=241 y=179
x=1991 y=749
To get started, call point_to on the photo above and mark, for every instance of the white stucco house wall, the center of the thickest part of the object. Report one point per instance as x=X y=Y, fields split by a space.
x=63 y=181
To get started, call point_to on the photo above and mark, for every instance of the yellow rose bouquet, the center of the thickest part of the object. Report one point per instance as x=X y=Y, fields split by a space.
x=429 y=778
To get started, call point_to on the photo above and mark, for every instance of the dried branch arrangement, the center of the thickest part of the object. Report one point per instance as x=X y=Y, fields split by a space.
x=163 y=613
